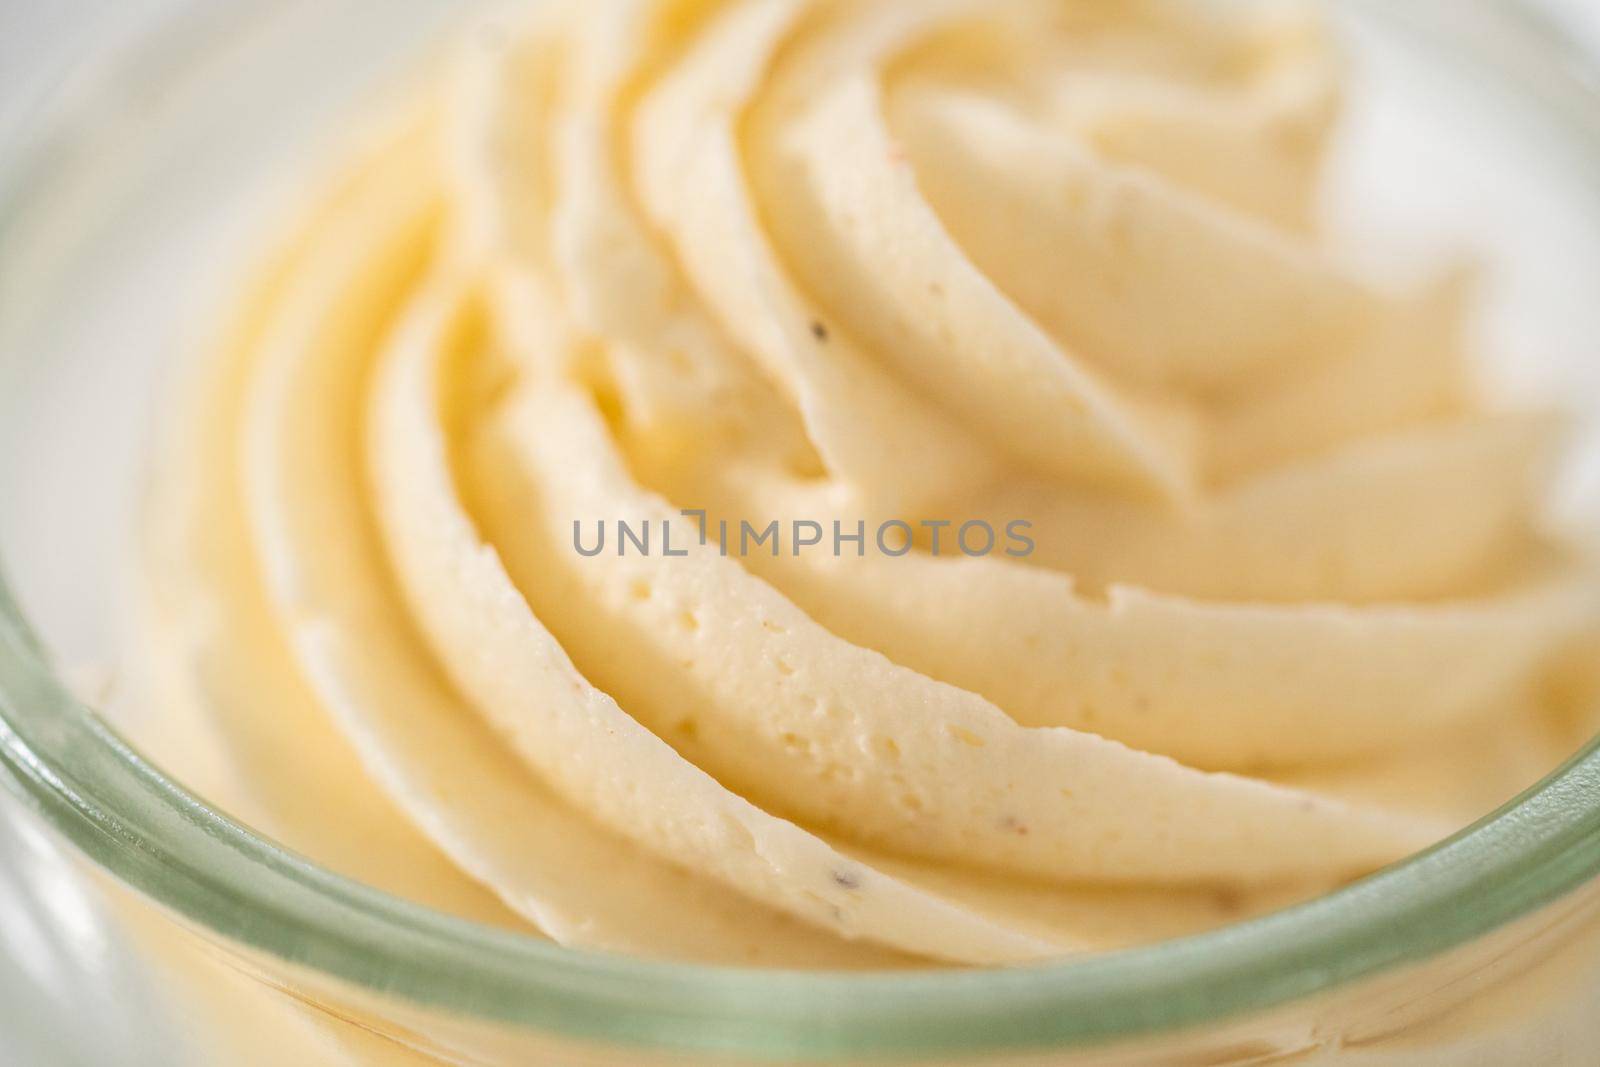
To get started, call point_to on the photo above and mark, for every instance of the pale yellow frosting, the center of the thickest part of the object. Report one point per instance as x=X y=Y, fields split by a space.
x=1289 y=616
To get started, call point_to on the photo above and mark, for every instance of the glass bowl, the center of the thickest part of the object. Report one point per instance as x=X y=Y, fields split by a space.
x=137 y=203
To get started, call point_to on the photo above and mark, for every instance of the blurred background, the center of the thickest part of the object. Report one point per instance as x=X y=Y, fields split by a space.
x=45 y=43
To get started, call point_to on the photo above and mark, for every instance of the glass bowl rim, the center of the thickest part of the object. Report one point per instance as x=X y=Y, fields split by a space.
x=67 y=764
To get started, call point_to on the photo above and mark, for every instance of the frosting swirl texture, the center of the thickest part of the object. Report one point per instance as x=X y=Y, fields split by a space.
x=928 y=262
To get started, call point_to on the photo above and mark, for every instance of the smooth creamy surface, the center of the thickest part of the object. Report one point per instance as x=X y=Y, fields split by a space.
x=1288 y=619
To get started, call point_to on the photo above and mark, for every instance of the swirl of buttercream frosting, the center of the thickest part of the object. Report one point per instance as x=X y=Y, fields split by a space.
x=931 y=262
